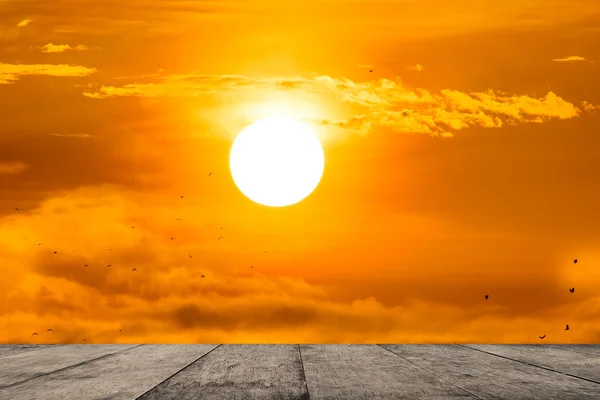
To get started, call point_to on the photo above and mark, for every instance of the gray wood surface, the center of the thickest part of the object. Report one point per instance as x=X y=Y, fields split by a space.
x=370 y=372
x=492 y=377
x=219 y=372
x=238 y=372
x=8 y=350
x=556 y=358
x=22 y=366
x=121 y=376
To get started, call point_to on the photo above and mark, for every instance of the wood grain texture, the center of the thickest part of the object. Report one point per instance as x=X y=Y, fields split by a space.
x=492 y=377
x=22 y=366
x=552 y=357
x=369 y=372
x=120 y=376
x=10 y=349
x=238 y=372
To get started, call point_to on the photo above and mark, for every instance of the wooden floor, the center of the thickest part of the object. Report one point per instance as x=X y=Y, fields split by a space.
x=345 y=372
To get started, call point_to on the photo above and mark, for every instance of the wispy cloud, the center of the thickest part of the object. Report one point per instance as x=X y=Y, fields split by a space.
x=60 y=48
x=13 y=72
x=416 y=67
x=73 y=135
x=387 y=103
x=12 y=167
x=23 y=23
x=570 y=59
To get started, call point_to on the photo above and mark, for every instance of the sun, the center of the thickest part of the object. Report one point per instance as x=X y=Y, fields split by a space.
x=276 y=161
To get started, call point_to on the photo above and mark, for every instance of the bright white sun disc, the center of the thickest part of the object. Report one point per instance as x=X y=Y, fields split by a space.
x=276 y=162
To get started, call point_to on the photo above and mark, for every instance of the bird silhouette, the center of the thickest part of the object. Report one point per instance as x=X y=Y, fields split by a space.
x=132 y=226
x=370 y=70
x=34 y=334
x=171 y=238
x=575 y=261
x=56 y=252
x=84 y=340
x=120 y=330
x=251 y=266
x=202 y=276
x=135 y=269
x=486 y=296
x=24 y=238
x=572 y=290
x=210 y=173
x=39 y=244
x=16 y=209
x=541 y=337
x=181 y=197
x=109 y=265
x=220 y=237
x=190 y=255
x=567 y=328
x=86 y=265
x=49 y=330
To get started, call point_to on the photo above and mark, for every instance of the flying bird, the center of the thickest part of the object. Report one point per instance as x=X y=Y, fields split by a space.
x=56 y=252
x=84 y=340
x=220 y=237
x=567 y=328
x=34 y=333
x=251 y=266
x=486 y=296
x=86 y=265
x=370 y=70
x=132 y=226
x=572 y=290
x=16 y=209
x=575 y=261
x=190 y=255
x=202 y=276
x=24 y=238
x=135 y=269
x=49 y=330
x=171 y=238
x=109 y=265
x=541 y=337
x=120 y=330
x=181 y=197
x=210 y=174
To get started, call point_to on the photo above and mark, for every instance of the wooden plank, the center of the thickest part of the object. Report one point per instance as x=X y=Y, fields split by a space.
x=23 y=366
x=10 y=349
x=492 y=377
x=238 y=372
x=120 y=376
x=370 y=372
x=556 y=358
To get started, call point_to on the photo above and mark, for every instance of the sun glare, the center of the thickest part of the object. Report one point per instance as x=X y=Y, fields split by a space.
x=276 y=161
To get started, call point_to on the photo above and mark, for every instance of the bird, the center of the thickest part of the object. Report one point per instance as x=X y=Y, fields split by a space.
x=84 y=340
x=24 y=238
x=202 y=276
x=486 y=296
x=109 y=265
x=567 y=327
x=109 y=249
x=56 y=252
x=541 y=337
x=181 y=197
x=85 y=265
x=190 y=255
x=572 y=290
x=120 y=330
x=251 y=266
x=210 y=173
x=220 y=237
x=132 y=226
x=178 y=219
x=370 y=70
x=34 y=334
x=171 y=238
x=135 y=269
x=16 y=209
x=39 y=244
x=49 y=330
x=266 y=252
x=575 y=261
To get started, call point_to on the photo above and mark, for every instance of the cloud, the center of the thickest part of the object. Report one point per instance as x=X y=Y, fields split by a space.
x=23 y=23
x=12 y=168
x=74 y=135
x=13 y=72
x=384 y=102
x=60 y=48
x=166 y=299
x=570 y=58
x=416 y=67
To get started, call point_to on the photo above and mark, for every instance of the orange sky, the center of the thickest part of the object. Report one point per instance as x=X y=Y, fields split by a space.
x=467 y=163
